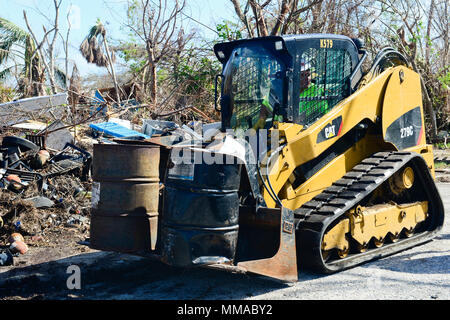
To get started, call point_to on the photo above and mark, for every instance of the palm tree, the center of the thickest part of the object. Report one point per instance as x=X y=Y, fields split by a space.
x=16 y=43
x=92 y=50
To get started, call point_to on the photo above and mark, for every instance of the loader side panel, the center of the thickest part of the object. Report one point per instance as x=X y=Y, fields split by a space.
x=402 y=114
x=407 y=131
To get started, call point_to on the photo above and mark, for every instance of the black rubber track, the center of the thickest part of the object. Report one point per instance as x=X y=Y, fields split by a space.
x=315 y=216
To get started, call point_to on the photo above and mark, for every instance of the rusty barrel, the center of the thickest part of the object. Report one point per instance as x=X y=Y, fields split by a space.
x=125 y=197
x=200 y=219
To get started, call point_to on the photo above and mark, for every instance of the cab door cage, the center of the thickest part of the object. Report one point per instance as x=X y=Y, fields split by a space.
x=329 y=72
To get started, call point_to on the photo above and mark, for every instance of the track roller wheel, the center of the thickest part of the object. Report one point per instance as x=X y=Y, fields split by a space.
x=362 y=247
x=394 y=237
x=343 y=253
x=409 y=232
x=378 y=242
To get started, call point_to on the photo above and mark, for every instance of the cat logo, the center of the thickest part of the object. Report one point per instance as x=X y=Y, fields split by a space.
x=331 y=130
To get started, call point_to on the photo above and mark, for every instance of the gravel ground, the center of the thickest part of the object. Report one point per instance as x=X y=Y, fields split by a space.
x=422 y=272
x=419 y=273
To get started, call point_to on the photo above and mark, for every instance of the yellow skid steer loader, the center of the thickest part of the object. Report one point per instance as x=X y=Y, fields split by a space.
x=318 y=164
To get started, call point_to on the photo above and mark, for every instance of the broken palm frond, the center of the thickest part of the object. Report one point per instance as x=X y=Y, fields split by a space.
x=91 y=47
x=92 y=50
x=10 y=35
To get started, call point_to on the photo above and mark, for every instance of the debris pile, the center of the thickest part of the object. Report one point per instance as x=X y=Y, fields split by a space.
x=42 y=190
x=45 y=167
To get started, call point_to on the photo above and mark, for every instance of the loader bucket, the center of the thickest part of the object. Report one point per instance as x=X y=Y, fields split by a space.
x=283 y=265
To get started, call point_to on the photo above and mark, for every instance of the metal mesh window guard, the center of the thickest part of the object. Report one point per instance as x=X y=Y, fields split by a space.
x=253 y=80
x=324 y=77
x=246 y=91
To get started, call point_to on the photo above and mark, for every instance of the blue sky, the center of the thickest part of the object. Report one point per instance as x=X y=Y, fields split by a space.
x=84 y=14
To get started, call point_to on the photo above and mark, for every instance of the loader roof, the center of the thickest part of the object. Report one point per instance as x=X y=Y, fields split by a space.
x=291 y=42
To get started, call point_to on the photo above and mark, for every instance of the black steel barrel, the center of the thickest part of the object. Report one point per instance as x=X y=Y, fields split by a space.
x=201 y=211
x=125 y=197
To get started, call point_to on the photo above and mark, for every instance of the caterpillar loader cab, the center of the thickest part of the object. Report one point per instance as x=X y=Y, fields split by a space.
x=283 y=70
x=351 y=177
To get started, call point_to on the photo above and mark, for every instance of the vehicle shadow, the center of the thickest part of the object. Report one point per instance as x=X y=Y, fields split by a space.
x=416 y=263
x=444 y=236
x=107 y=275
